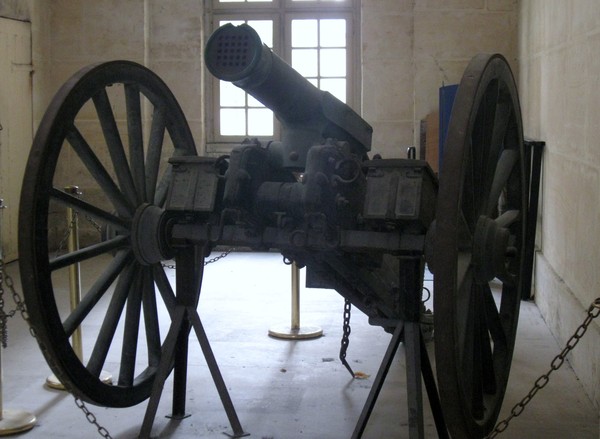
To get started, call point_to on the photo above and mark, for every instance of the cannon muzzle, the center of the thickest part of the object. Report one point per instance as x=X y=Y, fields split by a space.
x=308 y=115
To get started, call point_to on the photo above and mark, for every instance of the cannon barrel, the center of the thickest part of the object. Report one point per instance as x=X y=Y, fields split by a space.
x=308 y=115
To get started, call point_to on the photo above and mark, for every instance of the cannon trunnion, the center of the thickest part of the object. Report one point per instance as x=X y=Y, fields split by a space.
x=364 y=227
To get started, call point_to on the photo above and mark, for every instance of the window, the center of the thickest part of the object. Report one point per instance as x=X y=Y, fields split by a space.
x=316 y=37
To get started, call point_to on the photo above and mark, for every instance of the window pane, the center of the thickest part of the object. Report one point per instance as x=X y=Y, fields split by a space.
x=264 y=29
x=260 y=122
x=305 y=61
x=336 y=87
x=304 y=33
x=231 y=96
x=233 y=122
x=333 y=62
x=333 y=33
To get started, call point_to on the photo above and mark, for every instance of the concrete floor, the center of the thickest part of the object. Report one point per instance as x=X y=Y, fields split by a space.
x=290 y=389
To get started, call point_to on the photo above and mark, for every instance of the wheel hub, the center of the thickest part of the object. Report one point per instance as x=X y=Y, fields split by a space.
x=491 y=250
x=148 y=235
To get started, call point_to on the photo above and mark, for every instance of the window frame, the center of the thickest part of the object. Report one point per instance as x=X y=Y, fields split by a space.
x=282 y=12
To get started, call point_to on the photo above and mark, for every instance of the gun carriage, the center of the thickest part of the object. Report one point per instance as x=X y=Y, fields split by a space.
x=363 y=226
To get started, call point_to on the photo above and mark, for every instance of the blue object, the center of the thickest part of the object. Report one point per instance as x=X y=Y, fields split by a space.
x=447 y=95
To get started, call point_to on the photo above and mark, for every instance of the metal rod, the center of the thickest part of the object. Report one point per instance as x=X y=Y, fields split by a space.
x=295 y=296
x=412 y=333
x=2 y=207
x=294 y=331
x=74 y=269
x=382 y=372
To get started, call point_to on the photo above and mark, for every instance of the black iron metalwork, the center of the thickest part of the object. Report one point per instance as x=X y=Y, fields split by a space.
x=534 y=150
x=346 y=336
x=364 y=227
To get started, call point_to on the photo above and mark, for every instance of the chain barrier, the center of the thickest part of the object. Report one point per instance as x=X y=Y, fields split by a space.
x=592 y=313
x=346 y=336
x=209 y=261
x=91 y=418
x=66 y=234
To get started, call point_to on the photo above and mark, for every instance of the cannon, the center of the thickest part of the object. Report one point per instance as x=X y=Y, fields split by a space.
x=363 y=226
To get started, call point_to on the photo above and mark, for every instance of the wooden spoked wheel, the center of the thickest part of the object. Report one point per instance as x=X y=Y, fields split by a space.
x=478 y=247
x=109 y=130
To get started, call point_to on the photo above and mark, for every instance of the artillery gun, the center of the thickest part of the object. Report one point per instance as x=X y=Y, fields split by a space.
x=363 y=226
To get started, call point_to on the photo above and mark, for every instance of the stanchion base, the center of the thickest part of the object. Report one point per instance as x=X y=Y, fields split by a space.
x=54 y=383
x=289 y=333
x=16 y=421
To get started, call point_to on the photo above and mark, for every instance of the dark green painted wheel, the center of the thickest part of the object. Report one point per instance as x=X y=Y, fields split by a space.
x=110 y=130
x=479 y=241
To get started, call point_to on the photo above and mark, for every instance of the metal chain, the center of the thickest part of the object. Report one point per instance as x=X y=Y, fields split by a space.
x=94 y=224
x=346 y=336
x=92 y=419
x=209 y=261
x=592 y=313
x=65 y=237
x=5 y=278
x=3 y=315
x=19 y=302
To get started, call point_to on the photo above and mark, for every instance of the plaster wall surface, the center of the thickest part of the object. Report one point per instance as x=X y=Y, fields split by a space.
x=559 y=44
x=408 y=49
x=411 y=48
x=167 y=38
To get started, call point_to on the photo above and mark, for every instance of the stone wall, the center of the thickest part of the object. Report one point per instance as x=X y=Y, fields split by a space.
x=166 y=37
x=411 y=48
x=560 y=88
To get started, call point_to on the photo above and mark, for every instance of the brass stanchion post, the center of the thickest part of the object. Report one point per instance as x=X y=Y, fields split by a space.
x=295 y=331
x=74 y=289
x=11 y=421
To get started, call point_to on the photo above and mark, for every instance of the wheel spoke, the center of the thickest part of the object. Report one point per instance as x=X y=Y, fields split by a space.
x=88 y=252
x=493 y=320
x=111 y=320
x=97 y=291
x=131 y=331
x=483 y=137
x=506 y=163
x=115 y=145
x=463 y=265
x=164 y=287
x=477 y=367
x=90 y=210
x=508 y=218
x=151 y=319
x=136 y=141
x=501 y=119
x=97 y=170
x=153 y=156
x=488 y=376
x=464 y=295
